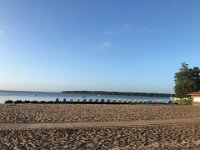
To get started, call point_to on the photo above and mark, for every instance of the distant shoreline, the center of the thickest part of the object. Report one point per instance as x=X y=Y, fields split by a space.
x=103 y=93
x=28 y=91
x=120 y=93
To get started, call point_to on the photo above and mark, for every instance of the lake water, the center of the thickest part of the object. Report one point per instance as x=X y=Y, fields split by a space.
x=41 y=96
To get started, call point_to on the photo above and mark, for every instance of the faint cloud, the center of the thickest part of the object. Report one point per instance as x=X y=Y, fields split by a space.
x=124 y=29
x=2 y=32
x=103 y=46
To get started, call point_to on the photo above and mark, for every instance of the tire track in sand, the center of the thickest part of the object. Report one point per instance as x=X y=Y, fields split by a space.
x=99 y=124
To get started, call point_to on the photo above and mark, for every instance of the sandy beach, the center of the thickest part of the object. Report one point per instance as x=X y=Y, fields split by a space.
x=58 y=113
x=143 y=136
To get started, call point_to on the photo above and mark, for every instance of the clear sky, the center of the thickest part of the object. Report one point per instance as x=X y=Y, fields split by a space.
x=114 y=45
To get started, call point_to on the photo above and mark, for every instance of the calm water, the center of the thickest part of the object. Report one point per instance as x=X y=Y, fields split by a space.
x=39 y=96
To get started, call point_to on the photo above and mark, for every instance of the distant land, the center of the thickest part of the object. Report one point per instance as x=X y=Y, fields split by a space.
x=103 y=93
x=28 y=91
x=121 y=93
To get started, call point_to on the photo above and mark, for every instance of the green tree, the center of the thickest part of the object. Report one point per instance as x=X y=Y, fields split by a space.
x=187 y=80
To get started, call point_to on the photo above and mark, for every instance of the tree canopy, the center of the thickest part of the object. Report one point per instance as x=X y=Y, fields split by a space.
x=120 y=93
x=187 y=80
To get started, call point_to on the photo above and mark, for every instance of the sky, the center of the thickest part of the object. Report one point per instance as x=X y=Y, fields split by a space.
x=110 y=45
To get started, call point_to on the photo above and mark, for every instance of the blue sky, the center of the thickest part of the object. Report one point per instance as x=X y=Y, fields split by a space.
x=114 y=45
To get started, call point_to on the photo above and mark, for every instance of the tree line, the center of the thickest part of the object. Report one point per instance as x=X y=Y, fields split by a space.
x=120 y=93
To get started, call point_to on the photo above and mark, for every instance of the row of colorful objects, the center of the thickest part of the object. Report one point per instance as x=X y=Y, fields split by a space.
x=116 y=101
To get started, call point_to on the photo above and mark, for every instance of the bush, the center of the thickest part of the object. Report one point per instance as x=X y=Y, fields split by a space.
x=27 y=102
x=184 y=101
x=34 y=102
x=8 y=102
x=18 y=102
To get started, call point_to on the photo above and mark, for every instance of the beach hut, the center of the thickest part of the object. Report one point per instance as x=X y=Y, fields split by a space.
x=130 y=101
x=119 y=101
x=140 y=101
x=108 y=101
x=64 y=100
x=84 y=100
x=125 y=101
x=134 y=101
x=114 y=101
x=71 y=100
x=145 y=101
x=90 y=100
x=195 y=98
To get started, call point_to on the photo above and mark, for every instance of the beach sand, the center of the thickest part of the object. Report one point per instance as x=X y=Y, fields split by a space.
x=60 y=113
x=146 y=137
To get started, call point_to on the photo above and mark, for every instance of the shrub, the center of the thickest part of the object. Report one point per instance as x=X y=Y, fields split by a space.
x=34 y=102
x=18 y=102
x=184 y=101
x=27 y=102
x=8 y=102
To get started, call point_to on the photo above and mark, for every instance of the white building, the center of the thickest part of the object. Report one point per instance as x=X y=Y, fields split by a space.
x=195 y=97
